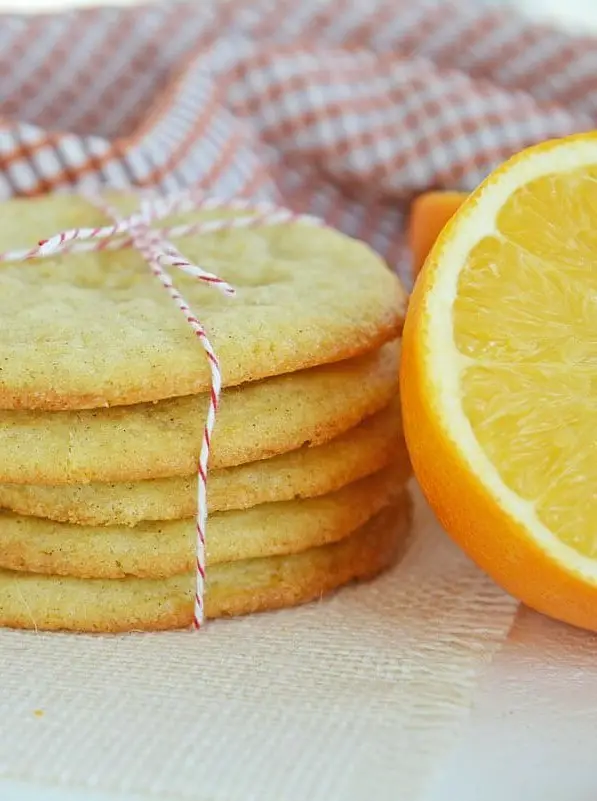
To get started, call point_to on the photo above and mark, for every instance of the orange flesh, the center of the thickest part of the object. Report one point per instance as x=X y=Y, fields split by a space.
x=526 y=316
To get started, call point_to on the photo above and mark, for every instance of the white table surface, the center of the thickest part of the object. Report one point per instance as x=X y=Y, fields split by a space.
x=532 y=732
x=530 y=737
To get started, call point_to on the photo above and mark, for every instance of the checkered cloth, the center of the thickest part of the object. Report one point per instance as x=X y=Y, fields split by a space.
x=339 y=108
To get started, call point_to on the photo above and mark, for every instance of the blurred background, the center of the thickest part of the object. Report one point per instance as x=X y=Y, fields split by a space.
x=176 y=94
x=572 y=14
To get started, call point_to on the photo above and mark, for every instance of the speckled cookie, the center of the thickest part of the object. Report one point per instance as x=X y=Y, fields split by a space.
x=92 y=329
x=302 y=473
x=156 y=440
x=158 y=549
x=41 y=602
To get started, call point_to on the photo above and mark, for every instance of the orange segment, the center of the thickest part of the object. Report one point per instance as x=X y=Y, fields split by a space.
x=499 y=377
x=428 y=215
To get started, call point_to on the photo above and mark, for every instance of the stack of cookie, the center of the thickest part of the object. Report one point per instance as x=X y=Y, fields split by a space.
x=104 y=391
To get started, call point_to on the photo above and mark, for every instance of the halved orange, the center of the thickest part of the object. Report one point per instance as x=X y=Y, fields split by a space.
x=429 y=213
x=499 y=377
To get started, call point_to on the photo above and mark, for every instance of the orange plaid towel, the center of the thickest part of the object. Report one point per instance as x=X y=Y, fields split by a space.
x=339 y=108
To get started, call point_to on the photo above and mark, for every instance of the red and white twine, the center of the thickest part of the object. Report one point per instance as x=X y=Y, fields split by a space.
x=137 y=231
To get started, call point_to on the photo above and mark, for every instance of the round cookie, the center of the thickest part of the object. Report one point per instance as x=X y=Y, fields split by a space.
x=102 y=605
x=92 y=329
x=302 y=473
x=155 y=440
x=158 y=549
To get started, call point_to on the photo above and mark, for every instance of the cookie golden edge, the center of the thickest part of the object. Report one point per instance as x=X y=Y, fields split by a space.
x=162 y=440
x=302 y=473
x=45 y=603
x=161 y=549
x=23 y=399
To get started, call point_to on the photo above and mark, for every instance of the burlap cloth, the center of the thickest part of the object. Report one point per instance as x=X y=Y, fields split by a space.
x=346 y=110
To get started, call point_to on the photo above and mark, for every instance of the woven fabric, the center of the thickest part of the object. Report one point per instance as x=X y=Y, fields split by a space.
x=356 y=697
x=346 y=110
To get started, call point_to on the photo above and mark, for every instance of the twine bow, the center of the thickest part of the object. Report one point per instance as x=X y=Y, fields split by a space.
x=137 y=231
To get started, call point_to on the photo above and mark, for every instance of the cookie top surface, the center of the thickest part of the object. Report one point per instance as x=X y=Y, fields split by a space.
x=91 y=329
